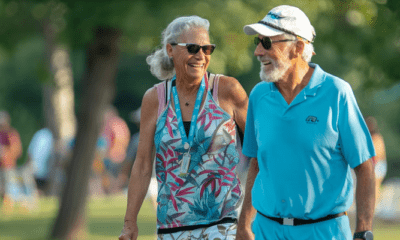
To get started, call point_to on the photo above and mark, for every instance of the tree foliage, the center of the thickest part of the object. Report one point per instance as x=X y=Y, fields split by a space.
x=357 y=40
x=363 y=33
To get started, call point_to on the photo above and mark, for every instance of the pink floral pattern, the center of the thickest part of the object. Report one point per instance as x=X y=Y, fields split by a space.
x=211 y=191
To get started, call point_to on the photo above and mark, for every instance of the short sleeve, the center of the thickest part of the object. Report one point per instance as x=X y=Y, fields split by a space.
x=250 y=146
x=355 y=139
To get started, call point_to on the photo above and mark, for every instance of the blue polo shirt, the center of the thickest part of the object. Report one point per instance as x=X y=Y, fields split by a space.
x=305 y=149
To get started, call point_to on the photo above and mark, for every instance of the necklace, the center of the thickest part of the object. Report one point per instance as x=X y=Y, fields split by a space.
x=187 y=102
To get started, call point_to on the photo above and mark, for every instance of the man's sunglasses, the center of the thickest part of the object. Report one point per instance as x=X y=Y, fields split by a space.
x=266 y=42
x=195 y=48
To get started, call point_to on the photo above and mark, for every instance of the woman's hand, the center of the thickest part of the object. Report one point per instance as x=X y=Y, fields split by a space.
x=130 y=231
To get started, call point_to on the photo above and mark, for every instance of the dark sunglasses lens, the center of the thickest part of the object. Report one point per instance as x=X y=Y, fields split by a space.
x=208 y=49
x=266 y=42
x=256 y=41
x=193 y=48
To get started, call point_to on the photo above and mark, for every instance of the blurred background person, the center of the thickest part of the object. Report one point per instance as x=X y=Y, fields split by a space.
x=57 y=171
x=34 y=174
x=117 y=135
x=109 y=156
x=380 y=158
x=96 y=187
x=10 y=151
x=123 y=177
x=40 y=153
x=131 y=151
x=98 y=174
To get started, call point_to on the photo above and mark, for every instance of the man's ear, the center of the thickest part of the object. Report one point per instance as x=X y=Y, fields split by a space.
x=299 y=49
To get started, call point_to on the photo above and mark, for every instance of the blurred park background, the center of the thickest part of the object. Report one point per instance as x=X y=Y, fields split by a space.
x=64 y=63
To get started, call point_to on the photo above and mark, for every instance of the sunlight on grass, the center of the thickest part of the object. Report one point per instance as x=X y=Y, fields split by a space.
x=105 y=221
x=107 y=217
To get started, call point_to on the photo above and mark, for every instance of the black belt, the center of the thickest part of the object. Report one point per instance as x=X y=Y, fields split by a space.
x=193 y=227
x=297 y=222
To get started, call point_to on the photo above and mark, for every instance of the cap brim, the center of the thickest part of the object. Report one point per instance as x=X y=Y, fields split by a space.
x=258 y=28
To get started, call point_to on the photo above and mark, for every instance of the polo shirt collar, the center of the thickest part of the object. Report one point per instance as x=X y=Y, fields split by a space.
x=317 y=78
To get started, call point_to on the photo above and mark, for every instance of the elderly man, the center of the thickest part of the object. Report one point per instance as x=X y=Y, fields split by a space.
x=304 y=132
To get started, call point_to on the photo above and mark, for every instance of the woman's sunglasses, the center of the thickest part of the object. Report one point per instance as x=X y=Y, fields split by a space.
x=266 y=42
x=195 y=48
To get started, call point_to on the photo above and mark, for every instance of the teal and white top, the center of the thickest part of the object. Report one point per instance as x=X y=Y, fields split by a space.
x=211 y=191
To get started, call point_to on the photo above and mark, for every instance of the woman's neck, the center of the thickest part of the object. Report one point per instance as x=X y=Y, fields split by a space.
x=187 y=86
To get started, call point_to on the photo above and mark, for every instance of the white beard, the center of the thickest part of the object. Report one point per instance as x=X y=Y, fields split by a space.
x=280 y=68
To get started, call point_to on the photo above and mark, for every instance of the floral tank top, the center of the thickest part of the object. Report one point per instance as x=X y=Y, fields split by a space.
x=211 y=191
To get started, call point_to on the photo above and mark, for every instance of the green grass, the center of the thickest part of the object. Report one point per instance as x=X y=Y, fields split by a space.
x=105 y=221
x=383 y=230
x=387 y=231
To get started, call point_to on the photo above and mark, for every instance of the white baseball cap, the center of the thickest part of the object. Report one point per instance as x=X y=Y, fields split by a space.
x=283 y=19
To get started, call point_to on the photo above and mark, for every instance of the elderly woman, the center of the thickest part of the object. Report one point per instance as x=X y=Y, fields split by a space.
x=190 y=121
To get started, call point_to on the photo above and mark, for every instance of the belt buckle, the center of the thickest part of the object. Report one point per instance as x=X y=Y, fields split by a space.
x=288 y=221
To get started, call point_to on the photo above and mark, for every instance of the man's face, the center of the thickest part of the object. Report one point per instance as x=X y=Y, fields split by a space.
x=275 y=61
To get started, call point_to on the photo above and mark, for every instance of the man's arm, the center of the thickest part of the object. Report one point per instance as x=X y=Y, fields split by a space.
x=365 y=196
x=248 y=211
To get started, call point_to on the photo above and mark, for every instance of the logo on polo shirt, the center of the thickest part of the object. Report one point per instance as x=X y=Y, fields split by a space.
x=312 y=120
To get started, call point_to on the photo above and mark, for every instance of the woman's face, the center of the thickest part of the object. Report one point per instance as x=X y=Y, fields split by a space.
x=187 y=65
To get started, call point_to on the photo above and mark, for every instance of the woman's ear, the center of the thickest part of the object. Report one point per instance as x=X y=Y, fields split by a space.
x=169 y=50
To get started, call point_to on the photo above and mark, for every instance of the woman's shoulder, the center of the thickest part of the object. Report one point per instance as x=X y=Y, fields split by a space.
x=227 y=81
x=230 y=88
x=150 y=100
x=232 y=97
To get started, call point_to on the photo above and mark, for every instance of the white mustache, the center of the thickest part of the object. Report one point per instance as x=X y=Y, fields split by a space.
x=264 y=59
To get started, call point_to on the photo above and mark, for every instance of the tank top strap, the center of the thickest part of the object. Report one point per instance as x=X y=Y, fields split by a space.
x=211 y=77
x=215 y=88
x=163 y=93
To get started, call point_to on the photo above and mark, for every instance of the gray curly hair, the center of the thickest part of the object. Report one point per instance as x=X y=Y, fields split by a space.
x=161 y=65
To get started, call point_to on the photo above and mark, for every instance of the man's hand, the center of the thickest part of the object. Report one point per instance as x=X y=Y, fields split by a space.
x=244 y=233
x=130 y=231
x=365 y=196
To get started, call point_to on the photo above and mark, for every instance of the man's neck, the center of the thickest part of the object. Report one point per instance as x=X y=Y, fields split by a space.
x=296 y=78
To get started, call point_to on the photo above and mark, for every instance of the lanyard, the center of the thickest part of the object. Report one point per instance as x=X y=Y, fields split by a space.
x=187 y=142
